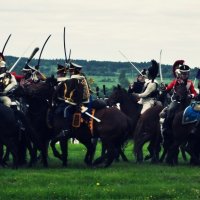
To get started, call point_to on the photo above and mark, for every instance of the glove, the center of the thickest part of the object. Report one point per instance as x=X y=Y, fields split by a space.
x=162 y=87
x=136 y=96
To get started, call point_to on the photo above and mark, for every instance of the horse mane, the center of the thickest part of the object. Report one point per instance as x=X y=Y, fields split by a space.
x=125 y=93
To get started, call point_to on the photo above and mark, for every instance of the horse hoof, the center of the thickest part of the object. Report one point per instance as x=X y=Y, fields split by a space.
x=147 y=157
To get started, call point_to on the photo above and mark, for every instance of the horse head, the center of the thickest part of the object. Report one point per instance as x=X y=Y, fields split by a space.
x=120 y=95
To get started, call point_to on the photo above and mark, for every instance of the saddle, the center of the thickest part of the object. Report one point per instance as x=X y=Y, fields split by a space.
x=196 y=106
x=191 y=114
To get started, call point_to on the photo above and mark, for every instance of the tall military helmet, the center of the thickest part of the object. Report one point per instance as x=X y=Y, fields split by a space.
x=152 y=71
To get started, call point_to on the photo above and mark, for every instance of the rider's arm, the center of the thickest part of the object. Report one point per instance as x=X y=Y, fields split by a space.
x=192 y=90
x=12 y=84
x=171 y=86
x=150 y=88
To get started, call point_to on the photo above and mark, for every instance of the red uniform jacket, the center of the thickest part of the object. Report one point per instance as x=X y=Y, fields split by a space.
x=17 y=77
x=190 y=87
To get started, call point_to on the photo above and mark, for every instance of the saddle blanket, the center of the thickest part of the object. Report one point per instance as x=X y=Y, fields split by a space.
x=190 y=115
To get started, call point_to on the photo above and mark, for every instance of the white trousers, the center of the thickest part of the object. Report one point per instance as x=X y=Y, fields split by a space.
x=147 y=103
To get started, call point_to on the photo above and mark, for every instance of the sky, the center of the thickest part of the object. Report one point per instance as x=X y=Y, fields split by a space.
x=99 y=29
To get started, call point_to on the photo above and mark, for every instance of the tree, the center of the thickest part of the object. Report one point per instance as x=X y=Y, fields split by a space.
x=123 y=81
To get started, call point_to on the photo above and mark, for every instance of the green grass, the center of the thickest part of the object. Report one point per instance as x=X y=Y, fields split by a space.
x=120 y=181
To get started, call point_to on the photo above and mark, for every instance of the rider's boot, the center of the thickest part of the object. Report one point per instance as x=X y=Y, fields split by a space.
x=194 y=129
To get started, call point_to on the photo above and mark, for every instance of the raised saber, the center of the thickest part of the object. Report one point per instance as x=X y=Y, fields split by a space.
x=39 y=59
x=160 y=69
x=5 y=43
x=64 y=46
x=131 y=63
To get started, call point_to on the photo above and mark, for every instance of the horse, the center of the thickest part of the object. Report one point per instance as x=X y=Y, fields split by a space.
x=179 y=133
x=143 y=127
x=11 y=134
x=38 y=98
x=148 y=129
x=112 y=136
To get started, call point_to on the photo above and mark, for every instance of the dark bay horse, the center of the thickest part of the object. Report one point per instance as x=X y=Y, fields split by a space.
x=112 y=129
x=145 y=127
x=148 y=130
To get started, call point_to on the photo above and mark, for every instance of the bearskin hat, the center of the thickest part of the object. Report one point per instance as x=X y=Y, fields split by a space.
x=143 y=72
x=153 y=70
x=176 y=66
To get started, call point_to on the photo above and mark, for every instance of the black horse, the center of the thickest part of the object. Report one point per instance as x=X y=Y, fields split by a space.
x=12 y=134
x=178 y=135
x=36 y=99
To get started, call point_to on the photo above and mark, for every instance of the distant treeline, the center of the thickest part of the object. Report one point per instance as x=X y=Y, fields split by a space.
x=93 y=67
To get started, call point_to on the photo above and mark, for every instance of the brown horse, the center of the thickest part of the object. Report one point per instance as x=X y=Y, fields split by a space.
x=112 y=129
x=148 y=130
x=145 y=129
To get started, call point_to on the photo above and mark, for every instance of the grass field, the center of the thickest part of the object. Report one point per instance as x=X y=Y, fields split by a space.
x=120 y=181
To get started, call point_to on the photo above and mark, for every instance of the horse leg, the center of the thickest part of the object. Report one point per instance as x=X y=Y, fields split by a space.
x=53 y=146
x=91 y=147
x=102 y=158
x=31 y=152
x=139 y=145
x=122 y=154
x=2 y=162
x=64 y=150
x=12 y=144
x=156 y=147
x=44 y=154
x=6 y=155
x=150 y=149
x=168 y=140
x=172 y=154
x=22 y=149
x=111 y=154
x=182 y=149
x=191 y=148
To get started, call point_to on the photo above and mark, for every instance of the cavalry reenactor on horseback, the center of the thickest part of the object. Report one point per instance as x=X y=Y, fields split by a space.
x=7 y=82
x=138 y=85
x=149 y=95
x=71 y=94
x=30 y=76
x=182 y=75
x=62 y=73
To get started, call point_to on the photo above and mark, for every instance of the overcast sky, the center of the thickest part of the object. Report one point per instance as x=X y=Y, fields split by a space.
x=98 y=29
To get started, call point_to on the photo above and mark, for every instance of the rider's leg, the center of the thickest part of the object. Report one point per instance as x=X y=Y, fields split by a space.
x=5 y=100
